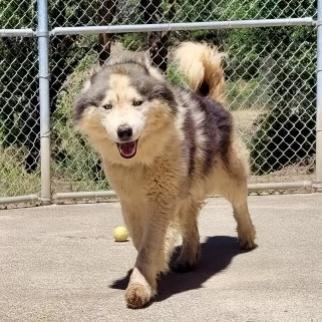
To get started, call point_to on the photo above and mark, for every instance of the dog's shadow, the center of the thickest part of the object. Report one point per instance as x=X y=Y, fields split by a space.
x=216 y=255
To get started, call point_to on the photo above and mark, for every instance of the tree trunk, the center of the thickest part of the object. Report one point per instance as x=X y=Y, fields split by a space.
x=158 y=41
x=106 y=14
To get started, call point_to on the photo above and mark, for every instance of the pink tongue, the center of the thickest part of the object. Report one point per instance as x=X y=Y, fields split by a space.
x=127 y=149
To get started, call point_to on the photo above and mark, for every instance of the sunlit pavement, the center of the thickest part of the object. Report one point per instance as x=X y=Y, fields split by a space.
x=60 y=263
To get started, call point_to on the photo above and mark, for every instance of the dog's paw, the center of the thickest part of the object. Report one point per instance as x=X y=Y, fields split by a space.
x=183 y=267
x=247 y=244
x=247 y=238
x=184 y=263
x=137 y=296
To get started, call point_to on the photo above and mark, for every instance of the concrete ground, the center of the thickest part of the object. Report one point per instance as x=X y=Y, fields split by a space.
x=60 y=263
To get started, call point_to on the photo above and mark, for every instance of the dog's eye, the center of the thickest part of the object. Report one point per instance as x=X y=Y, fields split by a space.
x=107 y=106
x=137 y=102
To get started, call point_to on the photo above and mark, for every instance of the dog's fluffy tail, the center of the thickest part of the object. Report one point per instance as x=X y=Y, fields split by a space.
x=201 y=65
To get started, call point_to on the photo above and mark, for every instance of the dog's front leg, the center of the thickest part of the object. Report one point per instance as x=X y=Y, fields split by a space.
x=151 y=258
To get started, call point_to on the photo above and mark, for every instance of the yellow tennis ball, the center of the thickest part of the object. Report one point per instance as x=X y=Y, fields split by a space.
x=120 y=234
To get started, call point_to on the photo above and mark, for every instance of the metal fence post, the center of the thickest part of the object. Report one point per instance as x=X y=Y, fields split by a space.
x=43 y=39
x=319 y=97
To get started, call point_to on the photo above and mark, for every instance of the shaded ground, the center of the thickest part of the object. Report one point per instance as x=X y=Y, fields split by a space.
x=60 y=263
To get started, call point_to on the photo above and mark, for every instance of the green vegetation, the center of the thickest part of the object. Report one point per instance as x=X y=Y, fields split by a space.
x=286 y=59
x=15 y=180
x=270 y=71
x=73 y=157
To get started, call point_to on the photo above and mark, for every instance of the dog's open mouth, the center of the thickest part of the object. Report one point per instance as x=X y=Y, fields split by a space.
x=128 y=150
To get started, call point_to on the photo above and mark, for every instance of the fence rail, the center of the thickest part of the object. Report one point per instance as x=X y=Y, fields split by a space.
x=184 y=26
x=17 y=32
x=274 y=50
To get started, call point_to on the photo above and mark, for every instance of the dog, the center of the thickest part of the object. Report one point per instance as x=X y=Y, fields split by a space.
x=165 y=149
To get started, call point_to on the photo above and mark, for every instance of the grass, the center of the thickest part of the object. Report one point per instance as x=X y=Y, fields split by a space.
x=15 y=180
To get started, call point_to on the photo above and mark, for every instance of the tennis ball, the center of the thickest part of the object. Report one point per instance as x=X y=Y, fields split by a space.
x=120 y=234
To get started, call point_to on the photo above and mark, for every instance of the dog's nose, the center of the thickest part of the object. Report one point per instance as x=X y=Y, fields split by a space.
x=124 y=132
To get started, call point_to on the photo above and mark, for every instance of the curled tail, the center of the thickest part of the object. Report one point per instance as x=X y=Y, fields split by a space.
x=201 y=65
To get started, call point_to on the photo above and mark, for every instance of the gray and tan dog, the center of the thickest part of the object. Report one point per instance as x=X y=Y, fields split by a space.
x=164 y=150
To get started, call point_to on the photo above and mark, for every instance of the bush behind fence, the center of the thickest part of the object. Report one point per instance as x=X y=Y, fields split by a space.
x=270 y=72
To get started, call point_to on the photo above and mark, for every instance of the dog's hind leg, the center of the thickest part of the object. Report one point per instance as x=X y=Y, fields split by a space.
x=230 y=180
x=190 y=251
x=245 y=229
x=234 y=189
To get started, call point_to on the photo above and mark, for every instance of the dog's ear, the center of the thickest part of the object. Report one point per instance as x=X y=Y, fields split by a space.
x=90 y=76
x=154 y=72
x=119 y=54
x=143 y=58
x=117 y=49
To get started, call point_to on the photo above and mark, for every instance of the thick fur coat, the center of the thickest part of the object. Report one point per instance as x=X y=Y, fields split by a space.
x=164 y=150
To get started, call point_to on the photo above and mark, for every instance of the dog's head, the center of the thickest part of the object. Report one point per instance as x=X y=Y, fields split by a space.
x=124 y=108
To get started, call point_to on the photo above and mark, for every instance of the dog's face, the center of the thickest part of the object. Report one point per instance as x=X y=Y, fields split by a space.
x=125 y=105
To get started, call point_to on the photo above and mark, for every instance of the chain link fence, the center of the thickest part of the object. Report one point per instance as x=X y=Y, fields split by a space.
x=101 y=12
x=270 y=73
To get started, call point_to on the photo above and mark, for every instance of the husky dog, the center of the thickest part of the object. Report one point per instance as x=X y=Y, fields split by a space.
x=165 y=149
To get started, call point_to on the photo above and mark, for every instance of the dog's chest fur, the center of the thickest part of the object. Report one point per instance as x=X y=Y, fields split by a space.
x=165 y=177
